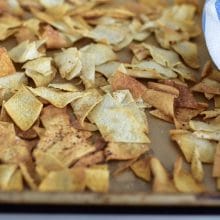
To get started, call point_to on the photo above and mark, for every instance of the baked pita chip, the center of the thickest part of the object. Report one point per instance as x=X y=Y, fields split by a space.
x=124 y=151
x=196 y=166
x=23 y=108
x=84 y=105
x=26 y=51
x=184 y=180
x=189 y=52
x=162 y=183
x=108 y=69
x=10 y=178
x=119 y=119
x=203 y=126
x=216 y=166
x=210 y=114
x=6 y=64
x=12 y=148
x=69 y=63
x=158 y=114
x=56 y=97
x=187 y=142
x=139 y=51
x=97 y=178
x=141 y=169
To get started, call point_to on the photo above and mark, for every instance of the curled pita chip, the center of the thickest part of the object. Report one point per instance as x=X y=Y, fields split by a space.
x=162 y=183
x=12 y=148
x=6 y=64
x=26 y=51
x=196 y=167
x=23 y=108
x=64 y=181
x=119 y=119
x=189 y=52
x=69 y=63
x=210 y=114
x=10 y=178
x=160 y=100
x=121 y=81
x=184 y=181
x=164 y=57
x=187 y=142
x=97 y=178
x=84 y=105
x=141 y=169
x=154 y=66
x=207 y=86
x=139 y=51
x=124 y=151
x=55 y=97
x=202 y=126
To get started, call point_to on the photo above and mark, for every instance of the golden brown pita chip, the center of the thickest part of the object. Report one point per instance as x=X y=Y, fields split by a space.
x=6 y=64
x=25 y=34
x=139 y=51
x=158 y=114
x=189 y=52
x=10 y=178
x=23 y=108
x=216 y=169
x=97 y=178
x=162 y=183
x=203 y=126
x=210 y=114
x=184 y=180
x=141 y=169
x=187 y=142
x=124 y=151
x=196 y=166
x=121 y=81
x=63 y=181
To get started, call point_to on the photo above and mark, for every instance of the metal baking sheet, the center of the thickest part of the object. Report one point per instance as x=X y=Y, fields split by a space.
x=126 y=189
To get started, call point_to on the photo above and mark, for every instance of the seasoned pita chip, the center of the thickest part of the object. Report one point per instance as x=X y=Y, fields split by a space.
x=90 y=160
x=25 y=34
x=97 y=178
x=84 y=105
x=207 y=86
x=141 y=169
x=217 y=101
x=210 y=114
x=162 y=183
x=184 y=180
x=121 y=81
x=23 y=108
x=64 y=86
x=6 y=65
x=10 y=178
x=160 y=100
x=196 y=166
x=69 y=63
x=189 y=52
x=61 y=140
x=119 y=119
x=108 y=69
x=139 y=51
x=187 y=142
x=26 y=51
x=124 y=151
x=56 y=97
x=12 y=148
x=64 y=181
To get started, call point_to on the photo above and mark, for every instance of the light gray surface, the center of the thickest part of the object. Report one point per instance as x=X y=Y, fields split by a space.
x=103 y=217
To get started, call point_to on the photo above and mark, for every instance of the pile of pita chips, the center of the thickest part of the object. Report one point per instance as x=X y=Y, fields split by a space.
x=71 y=105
